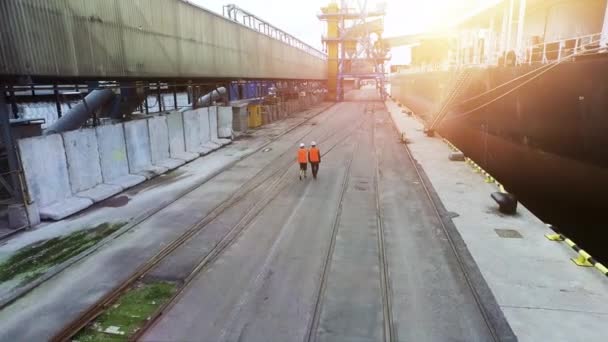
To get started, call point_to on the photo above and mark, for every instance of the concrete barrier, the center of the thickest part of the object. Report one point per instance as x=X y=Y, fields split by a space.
x=84 y=166
x=240 y=118
x=206 y=141
x=137 y=139
x=213 y=127
x=265 y=115
x=113 y=157
x=192 y=132
x=46 y=173
x=224 y=122
x=177 y=145
x=159 y=144
x=274 y=109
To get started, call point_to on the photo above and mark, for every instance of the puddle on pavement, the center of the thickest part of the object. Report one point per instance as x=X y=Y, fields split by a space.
x=115 y=202
x=162 y=180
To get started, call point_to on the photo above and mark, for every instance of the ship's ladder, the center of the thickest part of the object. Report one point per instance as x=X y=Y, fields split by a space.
x=458 y=86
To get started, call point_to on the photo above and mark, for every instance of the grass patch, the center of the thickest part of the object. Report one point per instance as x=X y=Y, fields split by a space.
x=32 y=261
x=128 y=314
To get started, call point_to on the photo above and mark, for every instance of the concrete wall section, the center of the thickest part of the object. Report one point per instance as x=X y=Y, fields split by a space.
x=138 y=149
x=159 y=143
x=239 y=118
x=159 y=138
x=177 y=145
x=224 y=119
x=214 y=128
x=204 y=120
x=192 y=131
x=83 y=159
x=46 y=173
x=206 y=141
x=213 y=123
x=84 y=166
x=113 y=157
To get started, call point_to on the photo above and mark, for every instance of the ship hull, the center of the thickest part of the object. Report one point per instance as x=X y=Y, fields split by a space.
x=545 y=142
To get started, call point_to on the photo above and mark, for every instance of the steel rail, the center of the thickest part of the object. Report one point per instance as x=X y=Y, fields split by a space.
x=460 y=262
x=313 y=325
x=99 y=307
x=230 y=237
x=389 y=327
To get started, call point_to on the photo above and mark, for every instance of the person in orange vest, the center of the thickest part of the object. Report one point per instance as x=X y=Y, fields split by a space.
x=314 y=157
x=302 y=160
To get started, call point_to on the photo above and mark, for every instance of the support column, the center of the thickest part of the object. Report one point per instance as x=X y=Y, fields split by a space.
x=332 y=50
x=521 y=19
x=510 y=25
x=604 y=39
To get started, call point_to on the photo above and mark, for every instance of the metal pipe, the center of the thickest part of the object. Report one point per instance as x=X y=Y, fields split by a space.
x=212 y=96
x=80 y=113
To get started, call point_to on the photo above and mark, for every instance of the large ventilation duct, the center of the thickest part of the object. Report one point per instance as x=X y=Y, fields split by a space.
x=78 y=115
x=216 y=94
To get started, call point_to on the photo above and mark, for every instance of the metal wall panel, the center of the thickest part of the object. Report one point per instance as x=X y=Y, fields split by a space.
x=140 y=38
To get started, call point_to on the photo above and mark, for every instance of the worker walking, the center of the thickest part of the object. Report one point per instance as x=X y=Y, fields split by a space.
x=302 y=160
x=314 y=157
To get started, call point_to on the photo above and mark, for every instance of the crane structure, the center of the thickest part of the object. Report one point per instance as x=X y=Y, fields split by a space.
x=354 y=45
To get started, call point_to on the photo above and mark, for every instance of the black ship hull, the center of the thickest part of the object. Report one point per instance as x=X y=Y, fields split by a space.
x=546 y=141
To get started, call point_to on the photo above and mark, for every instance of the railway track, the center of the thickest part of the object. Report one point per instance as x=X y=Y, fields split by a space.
x=148 y=214
x=274 y=182
x=461 y=264
x=388 y=328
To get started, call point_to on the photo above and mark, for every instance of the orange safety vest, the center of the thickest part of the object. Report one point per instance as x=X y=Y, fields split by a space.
x=314 y=155
x=302 y=156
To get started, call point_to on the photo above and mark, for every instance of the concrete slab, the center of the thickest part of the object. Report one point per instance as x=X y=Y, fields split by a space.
x=100 y=192
x=192 y=131
x=84 y=166
x=46 y=173
x=177 y=146
x=171 y=164
x=128 y=181
x=44 y=158
x=213 y=124
x=240 y=118
x=159 y=139
x=224 y=122
x=60 y=210
x=139 y=154
x=213 y=128
x=204 y=114
x=159 y=144
x=113 y=156
x=83 y=159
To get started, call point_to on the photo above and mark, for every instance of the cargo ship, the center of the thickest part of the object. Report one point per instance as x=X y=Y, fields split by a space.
x=521 y=87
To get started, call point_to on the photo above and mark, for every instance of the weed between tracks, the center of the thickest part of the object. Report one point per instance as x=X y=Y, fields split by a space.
x=32 y=261
x=128 y=314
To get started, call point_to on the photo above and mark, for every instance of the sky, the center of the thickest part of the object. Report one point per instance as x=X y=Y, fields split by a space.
x=298 y=17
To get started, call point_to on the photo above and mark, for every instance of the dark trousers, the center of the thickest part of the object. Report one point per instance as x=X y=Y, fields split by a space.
x=315 y=169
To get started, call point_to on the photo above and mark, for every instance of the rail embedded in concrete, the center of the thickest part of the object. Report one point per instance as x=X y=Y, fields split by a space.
x=128 y=39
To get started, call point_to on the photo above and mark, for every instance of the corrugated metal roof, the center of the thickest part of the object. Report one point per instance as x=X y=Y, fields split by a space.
x=140 y=38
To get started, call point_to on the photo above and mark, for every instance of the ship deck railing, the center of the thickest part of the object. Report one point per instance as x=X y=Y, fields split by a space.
x=548 y=52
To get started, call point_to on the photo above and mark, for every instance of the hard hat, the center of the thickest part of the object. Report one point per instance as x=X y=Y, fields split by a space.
x=313 y=143
x=302 y=145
